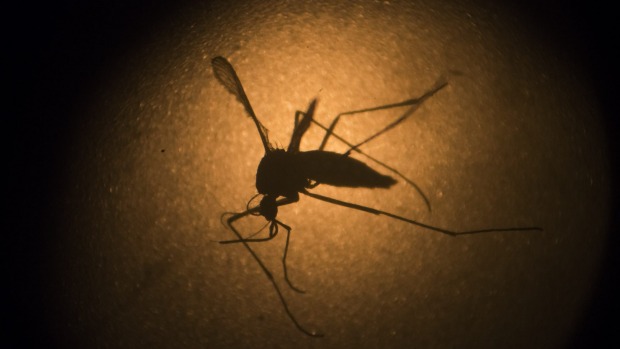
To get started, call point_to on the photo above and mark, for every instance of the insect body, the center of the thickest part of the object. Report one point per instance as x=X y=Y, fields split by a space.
x=283 y=174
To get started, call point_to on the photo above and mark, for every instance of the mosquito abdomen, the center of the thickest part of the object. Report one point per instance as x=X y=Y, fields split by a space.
x=339 y=170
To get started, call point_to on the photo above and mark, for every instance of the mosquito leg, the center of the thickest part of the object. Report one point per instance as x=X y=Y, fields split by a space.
x=272 y=234
x=224 y=242
x=410 y=221
x=414 y=102
x=288 y=236
x=230 y=225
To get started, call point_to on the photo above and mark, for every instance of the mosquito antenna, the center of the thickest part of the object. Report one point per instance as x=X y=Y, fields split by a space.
x=227 y=76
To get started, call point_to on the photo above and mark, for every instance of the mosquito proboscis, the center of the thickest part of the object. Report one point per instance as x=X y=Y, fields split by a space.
x=285 y=173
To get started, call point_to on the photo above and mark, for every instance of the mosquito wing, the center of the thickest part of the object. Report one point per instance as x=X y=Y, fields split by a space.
x=303 y=126
x=227 y=76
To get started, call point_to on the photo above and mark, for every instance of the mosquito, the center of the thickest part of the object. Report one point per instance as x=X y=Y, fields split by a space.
x=283 y=174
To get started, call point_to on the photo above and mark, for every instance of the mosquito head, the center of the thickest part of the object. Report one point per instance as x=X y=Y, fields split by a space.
x=268 y=207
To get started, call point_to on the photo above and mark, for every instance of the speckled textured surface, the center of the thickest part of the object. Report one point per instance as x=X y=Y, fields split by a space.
x=163 y=150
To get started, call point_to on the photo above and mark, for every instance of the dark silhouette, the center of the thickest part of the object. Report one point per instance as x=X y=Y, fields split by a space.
x=283 y=174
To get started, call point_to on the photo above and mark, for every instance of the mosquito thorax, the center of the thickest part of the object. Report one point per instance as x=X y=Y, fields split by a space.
x=278 y=175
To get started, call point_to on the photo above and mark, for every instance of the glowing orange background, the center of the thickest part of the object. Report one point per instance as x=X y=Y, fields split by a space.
x=162 y=151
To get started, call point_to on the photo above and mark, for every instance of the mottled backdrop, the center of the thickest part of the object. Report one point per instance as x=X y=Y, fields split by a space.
x=142 y=150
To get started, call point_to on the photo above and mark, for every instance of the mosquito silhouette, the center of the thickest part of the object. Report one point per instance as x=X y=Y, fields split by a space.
x=283 y=174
